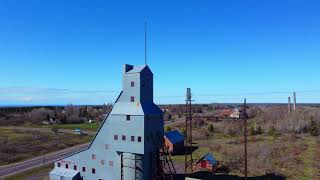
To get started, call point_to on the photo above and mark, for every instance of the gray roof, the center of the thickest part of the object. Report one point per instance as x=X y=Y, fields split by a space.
x=70 y=173
x=137 y=69
x=137 y=109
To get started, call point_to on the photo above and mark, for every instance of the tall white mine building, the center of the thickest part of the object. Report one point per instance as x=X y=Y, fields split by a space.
x=127 y=144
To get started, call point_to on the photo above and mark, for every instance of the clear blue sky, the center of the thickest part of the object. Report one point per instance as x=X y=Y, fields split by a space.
x=58 y=51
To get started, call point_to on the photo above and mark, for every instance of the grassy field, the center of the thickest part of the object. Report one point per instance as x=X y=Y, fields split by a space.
x=290 y=155
x=84 y=126
x=19 y=145
x=40 y=173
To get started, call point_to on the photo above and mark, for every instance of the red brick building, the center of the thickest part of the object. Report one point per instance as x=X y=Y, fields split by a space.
x=174 y=141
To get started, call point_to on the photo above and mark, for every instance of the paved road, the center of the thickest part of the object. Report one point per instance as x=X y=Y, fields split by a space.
x=35 y=162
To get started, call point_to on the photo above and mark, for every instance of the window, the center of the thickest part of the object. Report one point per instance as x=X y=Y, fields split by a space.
x=75 y=167
x=115 y=137
x=106 y=146
x=128 y=117
x=132 y=84
x=123 y=137
x=139 y=139
x=67 y=166
x=59 y=164
x=132 y=99
x=83 y=169
x=110 y=163
x=102 y=162
x=93 y=170
x=132 y=138
x=93 y=156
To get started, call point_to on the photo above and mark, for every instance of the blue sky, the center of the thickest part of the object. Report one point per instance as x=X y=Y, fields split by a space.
x=59 y=52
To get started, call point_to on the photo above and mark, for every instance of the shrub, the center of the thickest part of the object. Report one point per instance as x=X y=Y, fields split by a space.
x=255 y=130
x=272 y=131
x=183 y=131
x=314 y=129
x=168 y=128
x=211 y=128
x=259 y=130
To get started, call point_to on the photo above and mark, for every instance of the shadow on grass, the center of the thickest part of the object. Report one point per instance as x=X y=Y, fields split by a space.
x=187 y=150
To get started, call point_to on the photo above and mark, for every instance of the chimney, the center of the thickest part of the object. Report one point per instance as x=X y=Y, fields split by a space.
x=126 y=68
x=289 y=105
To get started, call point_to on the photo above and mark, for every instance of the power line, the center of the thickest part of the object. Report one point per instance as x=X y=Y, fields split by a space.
x=244 y=94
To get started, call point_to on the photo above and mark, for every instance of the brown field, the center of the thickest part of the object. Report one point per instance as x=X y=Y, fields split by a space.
x=19 y=145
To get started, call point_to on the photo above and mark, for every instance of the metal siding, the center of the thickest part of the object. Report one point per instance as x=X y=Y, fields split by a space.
x=146 y=121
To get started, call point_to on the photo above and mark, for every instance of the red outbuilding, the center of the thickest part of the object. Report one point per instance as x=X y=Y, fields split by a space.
x=206 y=163
x=174 y=141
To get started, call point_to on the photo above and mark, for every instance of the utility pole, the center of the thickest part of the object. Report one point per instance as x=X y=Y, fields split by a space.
x=9 y=150
x=44 y=158
x=289 y=105
x=244 y=117
x=145 y=42
x=188 y=138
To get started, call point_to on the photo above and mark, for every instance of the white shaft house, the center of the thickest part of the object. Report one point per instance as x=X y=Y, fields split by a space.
x=127 y=144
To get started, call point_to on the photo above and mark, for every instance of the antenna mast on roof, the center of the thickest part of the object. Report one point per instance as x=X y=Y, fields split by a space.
x=145 y=41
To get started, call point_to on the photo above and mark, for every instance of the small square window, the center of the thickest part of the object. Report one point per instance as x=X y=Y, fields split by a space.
x=115 y=137
x=110 y=163
x=75 y=167
x=123 y=137
x=139 y=139
x=93 y=156
x=102 y=162
x=132 y=99
x=132 y=84
x=128 y=117
x=132 y=138
x=83 y=169
x=67 y=166
x=59 y=164
x=93 y=170
x=106 y=146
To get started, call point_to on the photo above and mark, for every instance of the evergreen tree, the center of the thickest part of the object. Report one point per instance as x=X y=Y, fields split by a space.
x=314 y=129
x=168 y=128
x=252 y=130
x=211 y=128
x=259 y=130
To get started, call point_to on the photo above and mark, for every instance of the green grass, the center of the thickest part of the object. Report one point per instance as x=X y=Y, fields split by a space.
x=8 y=133
x=31 y=172
x=84 y=126
x=196 y=154
x=308 y=157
